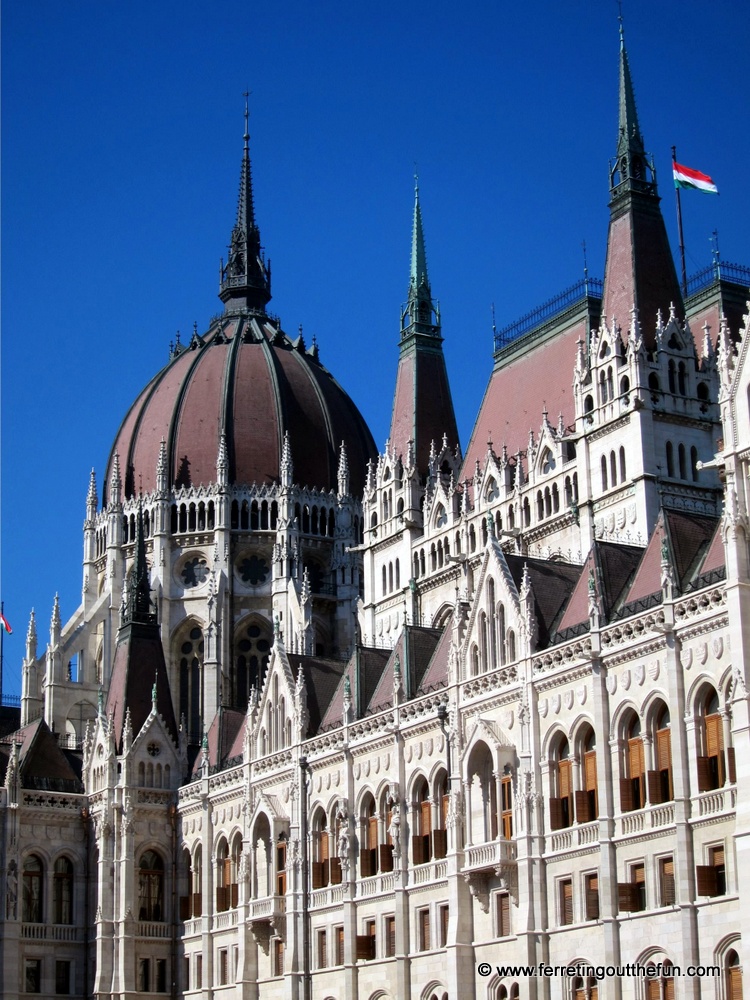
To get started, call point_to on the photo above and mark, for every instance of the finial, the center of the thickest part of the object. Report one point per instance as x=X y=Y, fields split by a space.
x=91 y=497
x=153 y=694
x=246 y=95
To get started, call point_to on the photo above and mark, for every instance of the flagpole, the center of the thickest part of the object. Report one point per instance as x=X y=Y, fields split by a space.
x=679 y=230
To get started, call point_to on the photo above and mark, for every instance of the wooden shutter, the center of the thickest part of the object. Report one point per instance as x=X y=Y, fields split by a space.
x=281 y=883
x=503 y=914
x=222 y=898
x=440 y=843
x=653 y=989
x=372 y=832
x=365 y=863
x=715 y=745
x=335 y=864
x=197 y=904
x=635 y=757
x=506 y=807
x=417 y=849
x=734 y=983
x=732 y=774
x=317 y=875
x=390 y=936
x=627 y=897
x=592 y=897
x=664 y=749
x=185 y=908
x=425 y=818
x=339 y=945
x=589 y=778
x=582 y=807
x=566 y=902
x=564 y=779
x=653 y=780
x=669 y=988
x=706 y=880
x=234 y=894
x=555 y=814
x=667 y=882
x=704 y=774
x=626 y=795
x=386 y=857
x=364 y=947
x=424 y=930
x=226 y=872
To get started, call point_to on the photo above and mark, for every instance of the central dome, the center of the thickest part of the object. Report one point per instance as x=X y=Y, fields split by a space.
x=244 y=377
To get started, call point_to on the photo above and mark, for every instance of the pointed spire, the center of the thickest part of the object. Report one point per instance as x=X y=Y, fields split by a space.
x=222 y=461
x=162 y=484
x=286 y=467
x=92 y=500
x=421 y=314
x=115 y=484
x=138 y=607
x=246 y=278
x=55 y=624
x=31 y=638
x=633 y=169
x=343 y=472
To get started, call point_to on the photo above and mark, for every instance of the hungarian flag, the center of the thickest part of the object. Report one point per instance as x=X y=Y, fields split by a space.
x=5 y=624
x=686 y=177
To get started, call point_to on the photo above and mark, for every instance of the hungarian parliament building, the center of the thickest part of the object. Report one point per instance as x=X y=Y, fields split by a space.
x=339 y=724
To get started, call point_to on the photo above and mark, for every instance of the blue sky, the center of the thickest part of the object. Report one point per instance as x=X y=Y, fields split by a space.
x=121 y=142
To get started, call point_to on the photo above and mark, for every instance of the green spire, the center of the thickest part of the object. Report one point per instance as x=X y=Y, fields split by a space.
x=418 y=277
x=421 y=314
x=632 y=168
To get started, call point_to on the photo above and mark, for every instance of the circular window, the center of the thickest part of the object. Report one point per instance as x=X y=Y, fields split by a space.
x=194 y=572
x=154 y=749
x=253 y=570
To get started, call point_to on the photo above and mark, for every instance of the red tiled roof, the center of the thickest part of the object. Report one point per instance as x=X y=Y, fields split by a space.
x=517 y=393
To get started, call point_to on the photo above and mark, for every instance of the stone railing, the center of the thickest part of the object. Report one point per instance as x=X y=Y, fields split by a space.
x=152 y=929
x=495 y=852
x=722 y=800
x=51 y=932
x=574 y=837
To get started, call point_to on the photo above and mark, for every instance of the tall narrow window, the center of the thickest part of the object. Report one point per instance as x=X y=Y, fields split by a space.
x=633 y=786
x=281 y=869
x=565 y=891
x=660 y=781
x=151 y=887
x=591 y=884
x=666 y=882
x=503 y=914
x=605 y=484
x=587 y=806
x=423 y=920
x=561 y=804
x=32 y=890
x=734 y=977
x=506 y=807
x=62 y=900
x=711 y=763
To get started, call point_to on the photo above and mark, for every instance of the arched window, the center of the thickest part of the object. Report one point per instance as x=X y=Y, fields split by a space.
x=539 y=505
x=33 y=890
x=398 y=575
x=151 y=887
x=633 y=784
x=472 y=539
x=661 y=987
x=660 y=785
x=421 y=841
x=555 y=499
x=62 y=892
x=483 y=640
x=475 y=668
x=385 y=581
x=733 y=976
x=681 y=373
x=605 y=484
x=694 y=463
x=526 y=512
x=670 y=460
x=196 y=883
x=613 y=468
x=368 y=853
x=321 y=849
x=561 y=797
x=622 y=464
x=511 y=643
x=681 y=458
x=190 y=650
x=252 y=651
x=390 y=576
x=492 y=624
x=223 y=877
x=672 y=380
x=587 y=799
x=440 y=829
x=482 y=812
x=713 y=758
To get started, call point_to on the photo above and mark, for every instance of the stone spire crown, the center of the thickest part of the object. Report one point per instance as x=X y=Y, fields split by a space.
x=139 y=607
x=633 y=169
x=246 y=277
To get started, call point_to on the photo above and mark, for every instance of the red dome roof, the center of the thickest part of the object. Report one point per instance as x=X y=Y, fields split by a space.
x=245 y=376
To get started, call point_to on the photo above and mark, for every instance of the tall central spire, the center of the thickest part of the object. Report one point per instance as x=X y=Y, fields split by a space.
x=632 y=168
x=421 y=314
x=246 y=277
x=422 y=405
x=639 y=273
